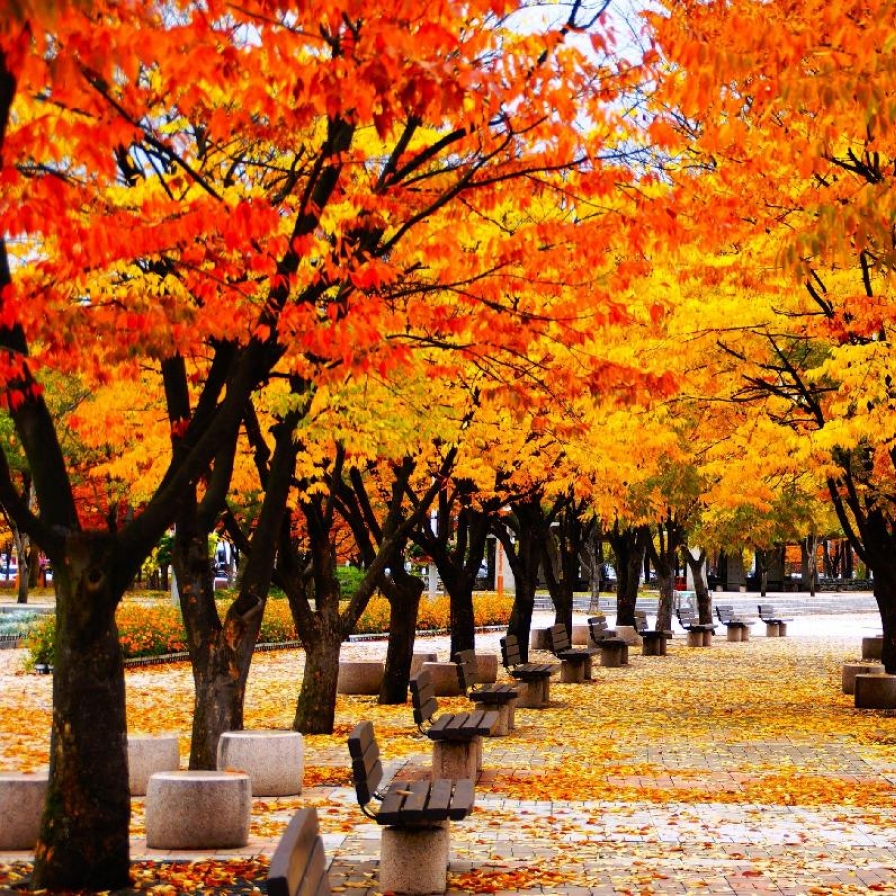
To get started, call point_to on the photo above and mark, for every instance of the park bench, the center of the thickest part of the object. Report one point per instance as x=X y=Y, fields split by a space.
x=737 y=627
x=299 y=864
x=536 y=676
x=415 y=814
x=598 y=630
x=699 y=633
x=575 y=662
x=499 y=696
x=653 y=640
x=775 y=625
x=456 y=737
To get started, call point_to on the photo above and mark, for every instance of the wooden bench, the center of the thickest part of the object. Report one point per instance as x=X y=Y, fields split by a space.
x=415 y=842
x=499 y=697
x=456 y=737
x=654 y=641
x=737 y=627
x=575 y=662
x=536 y=676
x=699 y=633
x=775 y=626
x=299 y=864
x=597 y=629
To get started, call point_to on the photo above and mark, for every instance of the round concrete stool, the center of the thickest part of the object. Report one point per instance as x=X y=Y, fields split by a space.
x=360 y=677
x=580 y=636
x=872 y=648
x=538 y=639
x=198 y=810
x=414 y=860
x=148 y=754
x=274 y=760
x=876 y=691
x=850 y=670
x=443 y=676
x=418 y=659
x=22 y=798
x=486 y=668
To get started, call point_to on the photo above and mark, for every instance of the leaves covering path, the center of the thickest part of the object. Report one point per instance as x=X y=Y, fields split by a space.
x=741 y=768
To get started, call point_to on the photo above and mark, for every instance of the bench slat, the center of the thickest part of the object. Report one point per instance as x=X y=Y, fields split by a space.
x=390 y=807
x=298 y=866
x=462 y=800
x=439 y=799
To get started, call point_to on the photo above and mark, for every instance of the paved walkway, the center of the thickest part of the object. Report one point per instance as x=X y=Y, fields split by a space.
x=581 y=799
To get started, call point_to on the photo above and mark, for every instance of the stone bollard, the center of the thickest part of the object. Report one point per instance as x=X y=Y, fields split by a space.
x=364 y=677
x=147 y=754
x=274 y=760
x=198 y=810
x=418 y=659
x=850 y=670
x=443 y=677
x=877 y=691
x=872 y=648
x=22 y=797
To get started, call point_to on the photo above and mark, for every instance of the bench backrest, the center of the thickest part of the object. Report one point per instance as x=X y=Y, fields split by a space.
x=558 y=636
x=423 y=697
x=467 y=670
x=767 y=611
x=510 y=651
x=688 y=616
x=299 y=865
x=367 y=769
x=597 y=628
x=640 y=621
x=725 y=612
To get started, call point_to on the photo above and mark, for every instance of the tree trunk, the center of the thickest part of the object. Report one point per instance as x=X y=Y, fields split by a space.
x=84 y=840
x=403 y=591
x=316 y=705
x=628 y=546
x=697 y=566
x=523 y=555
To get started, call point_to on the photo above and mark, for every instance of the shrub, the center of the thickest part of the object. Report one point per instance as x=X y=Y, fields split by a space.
x=350 y=578
x=41 y=643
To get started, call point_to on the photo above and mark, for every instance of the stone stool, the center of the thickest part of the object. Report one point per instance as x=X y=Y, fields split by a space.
x=150 y=753
x=363 y=677
x=654 y=643
x=613 y=652
x=444 y=679
x=535 y=693
x=580 y=636
x=22 y=798
x=629 y=634
x=850 y=670
x=457 y=758
x=198 y=810
x=414 y=860
x=486 y=668
x=274 y=760
x=877 y=691
x=418 y=659
x=872 y=648
x=539 y=640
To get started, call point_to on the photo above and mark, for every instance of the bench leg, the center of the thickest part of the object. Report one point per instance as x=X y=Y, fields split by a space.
x=505 y=717
x=572 y=672
x=782 y=629
x=734 y=633
x=707 y=639
x=611 y=657
x=695 y=639
x=414 y=860
x=772 y=629
x=456 y=759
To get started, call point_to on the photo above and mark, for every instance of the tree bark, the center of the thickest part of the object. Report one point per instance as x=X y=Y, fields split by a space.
x=84 y=840
x=697 y=565
x=316 y=704
x=628 y=546
x=403 y=591
x=523 y=555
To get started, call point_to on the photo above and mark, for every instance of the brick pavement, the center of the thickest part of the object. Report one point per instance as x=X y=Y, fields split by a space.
x=590 y=843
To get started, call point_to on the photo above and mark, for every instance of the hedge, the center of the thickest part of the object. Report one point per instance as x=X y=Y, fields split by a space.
x=147 y=630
